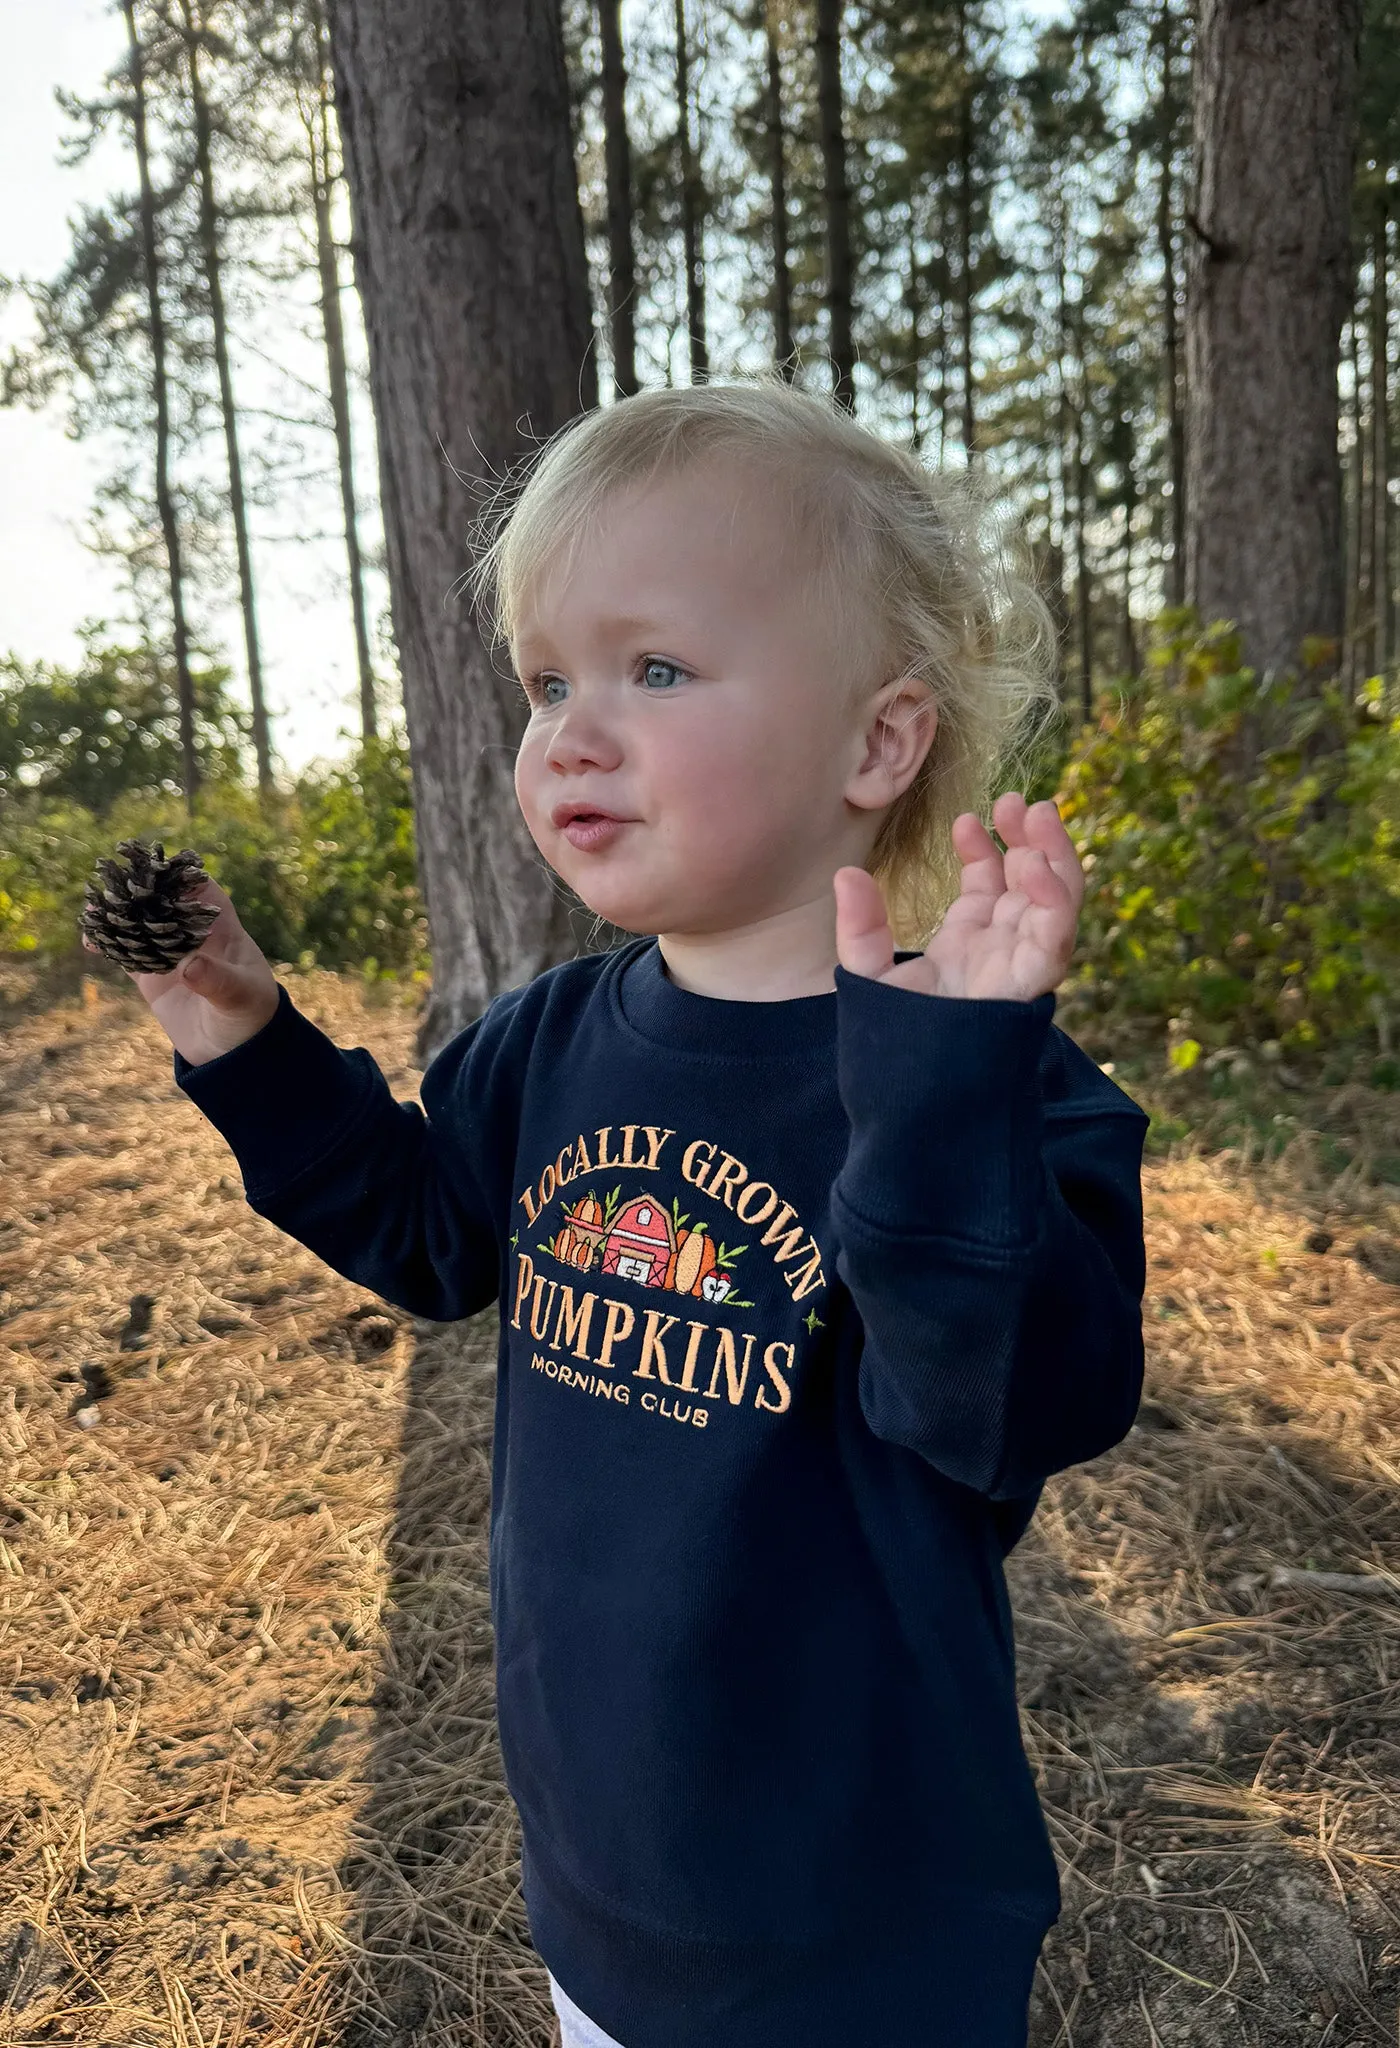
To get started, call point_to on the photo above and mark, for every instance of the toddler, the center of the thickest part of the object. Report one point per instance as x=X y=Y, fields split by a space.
x=818 y=1246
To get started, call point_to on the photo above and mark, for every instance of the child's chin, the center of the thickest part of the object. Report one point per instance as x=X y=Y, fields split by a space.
x=641 y=920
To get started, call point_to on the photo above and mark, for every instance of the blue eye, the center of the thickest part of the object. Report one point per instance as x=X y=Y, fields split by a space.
x=546 y=684
x=654 y=664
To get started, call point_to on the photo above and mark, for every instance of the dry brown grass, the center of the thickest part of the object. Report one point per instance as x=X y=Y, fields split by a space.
x=249 y=1788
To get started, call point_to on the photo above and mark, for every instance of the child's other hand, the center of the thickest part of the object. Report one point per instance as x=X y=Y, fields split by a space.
x=1010 y=934
x=218 y=996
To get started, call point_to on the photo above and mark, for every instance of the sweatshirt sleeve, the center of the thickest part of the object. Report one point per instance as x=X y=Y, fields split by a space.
x=392 y=1196
x=989 y=1225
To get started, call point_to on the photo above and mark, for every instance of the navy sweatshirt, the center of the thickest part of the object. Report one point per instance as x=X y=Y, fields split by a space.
x=800 y=1304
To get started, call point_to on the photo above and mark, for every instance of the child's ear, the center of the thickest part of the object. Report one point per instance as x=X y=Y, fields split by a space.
x=900 y=723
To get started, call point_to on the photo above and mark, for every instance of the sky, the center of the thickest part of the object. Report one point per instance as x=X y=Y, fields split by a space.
x=49 y=582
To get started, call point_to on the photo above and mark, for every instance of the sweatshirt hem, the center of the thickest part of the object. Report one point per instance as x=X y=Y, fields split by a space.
x=651 y=1988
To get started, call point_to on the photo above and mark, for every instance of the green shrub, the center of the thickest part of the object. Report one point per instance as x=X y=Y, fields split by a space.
x=323 y=874
x=1239 y=896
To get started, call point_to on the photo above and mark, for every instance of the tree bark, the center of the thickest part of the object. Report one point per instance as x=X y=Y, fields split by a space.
x=1083 y=592
x=213 y=270
x=965 y=280
x=622 y=270
x=777 y=177
x=1171 y=350
x=165 y=502
x=1356 y=513
x=1380 y=434
x=1072 y=335
x=1268 y=287
x=469 y=253
x=318 y=135
x=837 y=200
x=692 y=208
x=914 y=308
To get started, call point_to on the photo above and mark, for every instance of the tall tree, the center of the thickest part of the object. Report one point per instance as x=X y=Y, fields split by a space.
x=783 y=354
x=1268 y=289
x=836 y=193
x=1168 y=31
x=692 y=208
x=622 y=268
x=165 y=500
x=315 y=107
x=194 y=34
x=1371 y=454
x=470 y=258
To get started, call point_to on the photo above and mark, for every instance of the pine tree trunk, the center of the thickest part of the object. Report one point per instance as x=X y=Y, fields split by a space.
x=941 y=390
x=469 y=253
x=965 y=280
x=1083 y=594
x=1356 y=512
x=914 y=309
x=1380 y=433
x=1073 y=331
x=692 y=204
x=1267 y=294
x=165 y=502
x=1171 y=351
x=777 y=177
x=318 y=135
x=213 y=271
x=837 y=199
x=622 y=273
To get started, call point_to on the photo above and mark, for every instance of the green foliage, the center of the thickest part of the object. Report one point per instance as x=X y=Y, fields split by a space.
x=93 y=733
x=323 y=874
x=1247 y=889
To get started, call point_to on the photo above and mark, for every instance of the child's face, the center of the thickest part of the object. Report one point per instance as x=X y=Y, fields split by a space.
x=685 y=679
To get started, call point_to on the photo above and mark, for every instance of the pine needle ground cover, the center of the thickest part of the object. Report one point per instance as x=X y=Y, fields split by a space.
x=249 y=1786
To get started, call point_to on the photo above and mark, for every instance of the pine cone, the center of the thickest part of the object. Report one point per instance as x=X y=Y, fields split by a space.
x=140 y=915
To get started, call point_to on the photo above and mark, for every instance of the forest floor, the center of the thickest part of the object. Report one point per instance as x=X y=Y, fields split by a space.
x=249 y=1786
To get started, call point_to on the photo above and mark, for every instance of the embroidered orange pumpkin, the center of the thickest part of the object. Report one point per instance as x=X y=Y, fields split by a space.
x=695 y=1257
x=577 y=1242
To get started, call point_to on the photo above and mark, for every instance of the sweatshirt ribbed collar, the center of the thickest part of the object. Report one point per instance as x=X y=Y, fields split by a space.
x=675 y=1019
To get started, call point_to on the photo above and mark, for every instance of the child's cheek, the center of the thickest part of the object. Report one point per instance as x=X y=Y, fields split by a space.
x=529 y=772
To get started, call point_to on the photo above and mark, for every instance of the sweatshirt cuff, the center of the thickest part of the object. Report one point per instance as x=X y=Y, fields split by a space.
x=943 y=1098
x=283 y=1098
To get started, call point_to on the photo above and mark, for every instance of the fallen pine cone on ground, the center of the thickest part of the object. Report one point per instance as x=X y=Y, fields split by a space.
x=141 y=915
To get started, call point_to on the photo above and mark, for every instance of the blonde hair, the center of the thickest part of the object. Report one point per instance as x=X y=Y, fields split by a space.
x=921 y=576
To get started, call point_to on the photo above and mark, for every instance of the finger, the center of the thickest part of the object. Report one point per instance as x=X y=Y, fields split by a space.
x=1031 y=879
x=864 y=941
x=1009 y=816
x=983 y=871
x=209 y=892
x=1043 y=829
x=215 y=980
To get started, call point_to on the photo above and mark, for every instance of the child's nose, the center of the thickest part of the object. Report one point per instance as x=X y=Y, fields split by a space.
x=582 y=736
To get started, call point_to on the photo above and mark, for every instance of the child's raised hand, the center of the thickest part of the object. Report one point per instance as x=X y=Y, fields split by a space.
x=1011 y=932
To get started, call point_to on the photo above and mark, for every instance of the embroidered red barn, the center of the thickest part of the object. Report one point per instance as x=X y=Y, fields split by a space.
x=641 y=1242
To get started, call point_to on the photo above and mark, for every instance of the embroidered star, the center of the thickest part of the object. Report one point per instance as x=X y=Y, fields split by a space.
x=813 y=1321
x=515 y=1237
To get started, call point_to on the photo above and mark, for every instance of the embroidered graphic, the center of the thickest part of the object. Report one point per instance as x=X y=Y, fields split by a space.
x=642 y=1240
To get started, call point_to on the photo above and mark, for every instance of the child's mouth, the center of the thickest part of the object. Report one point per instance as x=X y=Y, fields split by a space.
x=590 y=830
